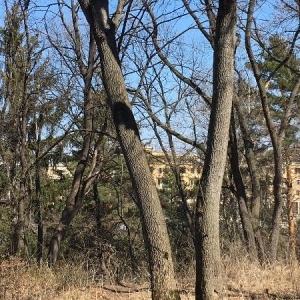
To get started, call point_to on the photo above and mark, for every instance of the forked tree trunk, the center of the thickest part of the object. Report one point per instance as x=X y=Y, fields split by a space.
x=255 y=182
x=154 y=226
x=246 y=221
x=78 y=188
x=79 y=185
x=208 y=260
x=81 y=181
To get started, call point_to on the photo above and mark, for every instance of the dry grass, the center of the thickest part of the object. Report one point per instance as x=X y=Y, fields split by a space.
x=276 y=282
x=247 y=280
x=21 y=281
x=242 y=280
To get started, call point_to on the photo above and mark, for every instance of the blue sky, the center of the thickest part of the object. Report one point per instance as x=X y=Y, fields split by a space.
x=192 y=49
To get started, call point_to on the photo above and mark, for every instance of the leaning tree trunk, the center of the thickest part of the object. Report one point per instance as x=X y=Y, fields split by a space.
x=80 y=182
x=208 y=260
x=154 y=226
x=78 y=188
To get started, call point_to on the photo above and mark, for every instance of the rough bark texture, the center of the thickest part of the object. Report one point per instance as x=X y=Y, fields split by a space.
x=278 y=199
x=155 y=231
x=208 y=262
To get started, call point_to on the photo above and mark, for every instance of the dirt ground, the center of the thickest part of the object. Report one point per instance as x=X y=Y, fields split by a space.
x=113 y=292
x=122 y=292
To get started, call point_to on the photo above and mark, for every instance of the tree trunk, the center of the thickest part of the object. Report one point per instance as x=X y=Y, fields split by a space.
x=156 y=238
x=208 y=260
x=78 y=189
x=241 y=194
x=255 y=182
x=100 y=238
x=18 y=235
x=277 y=190
x=37 y=204
x=79 y=185
x=19 y=239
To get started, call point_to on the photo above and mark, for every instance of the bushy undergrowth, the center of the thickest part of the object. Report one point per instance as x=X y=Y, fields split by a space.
x=243 y=279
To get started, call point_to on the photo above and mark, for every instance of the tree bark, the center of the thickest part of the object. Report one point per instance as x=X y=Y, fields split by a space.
x=208 y=260
x=278 y=205
x=163 y=282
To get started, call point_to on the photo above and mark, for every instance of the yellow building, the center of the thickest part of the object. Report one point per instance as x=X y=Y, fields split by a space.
x=160 y=168
x=58 y=172
x=292 y=186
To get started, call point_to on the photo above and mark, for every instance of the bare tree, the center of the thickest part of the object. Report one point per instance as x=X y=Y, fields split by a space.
x=154 y=227
x=88 y=165
x=251 y=198
x=208 y=260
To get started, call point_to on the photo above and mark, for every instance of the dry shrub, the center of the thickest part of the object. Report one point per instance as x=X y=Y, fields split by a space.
x=248 y=279
x=21 y=281
x=243 y=279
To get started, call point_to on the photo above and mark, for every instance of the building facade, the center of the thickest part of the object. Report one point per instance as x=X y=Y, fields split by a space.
x=189 y=169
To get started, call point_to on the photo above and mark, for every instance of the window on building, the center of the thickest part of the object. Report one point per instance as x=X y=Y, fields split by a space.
x=297 y=170
x=165 y=183
x=182 y=170
x=160 y=170
x=162 y=183
x=298 y=182
x=296 y=208
x=194 y=182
